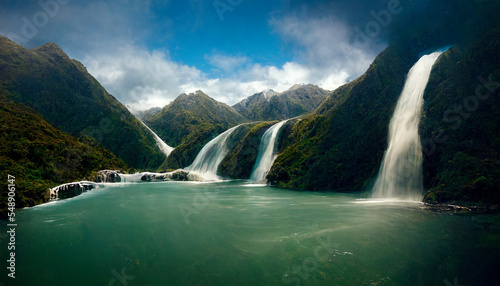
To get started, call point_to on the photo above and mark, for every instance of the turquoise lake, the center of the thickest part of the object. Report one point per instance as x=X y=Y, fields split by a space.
x=234 y=233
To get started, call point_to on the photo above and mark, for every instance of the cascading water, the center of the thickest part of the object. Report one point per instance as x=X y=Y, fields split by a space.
x=164 y=147
x=207 y=161
x=267 y=153
x=400 y=174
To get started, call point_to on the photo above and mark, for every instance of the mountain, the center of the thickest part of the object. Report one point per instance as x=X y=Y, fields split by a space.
x=189 y=122
x=185 y=153
x=238 y=164
x=187 y=112
x=341 y=145
x=148 y=114
x=40 y=156
x=270 y=105
x=69 y=98
x=460 y=129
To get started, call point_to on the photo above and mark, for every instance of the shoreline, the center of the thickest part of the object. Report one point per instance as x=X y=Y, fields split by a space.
x=80 y=187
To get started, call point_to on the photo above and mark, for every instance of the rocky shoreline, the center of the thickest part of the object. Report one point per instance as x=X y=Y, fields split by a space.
x=73 y=189
x=461 y=208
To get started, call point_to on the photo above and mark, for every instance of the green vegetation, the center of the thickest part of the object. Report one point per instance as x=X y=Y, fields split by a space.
x=238 y=164
x=41 y=156
x=184 y=154
x=340 y=146
x=190 y=122
x=190 y=114
x=299 y=99
x=148 y=114
x=69 y=98
x=460 y=129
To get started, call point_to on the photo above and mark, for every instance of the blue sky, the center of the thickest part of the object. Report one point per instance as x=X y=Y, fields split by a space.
x=146 y=53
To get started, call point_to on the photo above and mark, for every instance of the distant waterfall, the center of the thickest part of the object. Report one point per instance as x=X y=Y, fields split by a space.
x=400 y=174
x=267 y=153
x=207 y=161
x=160 y=143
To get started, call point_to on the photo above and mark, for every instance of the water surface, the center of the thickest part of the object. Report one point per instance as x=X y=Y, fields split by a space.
x=235 y=233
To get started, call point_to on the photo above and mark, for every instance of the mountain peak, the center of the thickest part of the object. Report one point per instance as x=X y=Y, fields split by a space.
x=6 y=41
x=271 y=105
x=51 y=49
x=296 y=86
x=269 y=93
x=179 y=119
x=192 y=96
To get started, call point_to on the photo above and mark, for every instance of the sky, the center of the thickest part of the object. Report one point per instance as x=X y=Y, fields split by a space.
x=147 y=52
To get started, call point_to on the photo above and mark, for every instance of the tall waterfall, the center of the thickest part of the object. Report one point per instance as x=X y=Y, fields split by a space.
x=267 y=152
x=207 y=161
x=160 y=143
x=400 y=174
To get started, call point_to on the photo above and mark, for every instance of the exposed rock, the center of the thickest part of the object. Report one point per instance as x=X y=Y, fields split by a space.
x=107 y=176
x=153 y=177
x=179 y=175
x=71 y=190
x=460 y=208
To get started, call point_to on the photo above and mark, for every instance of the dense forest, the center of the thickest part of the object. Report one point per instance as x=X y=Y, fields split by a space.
x=41 y=156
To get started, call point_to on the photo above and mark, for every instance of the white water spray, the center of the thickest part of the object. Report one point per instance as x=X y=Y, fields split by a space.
x=207 y=161
x=164 y=147
x=400 y=174
x=267 y=152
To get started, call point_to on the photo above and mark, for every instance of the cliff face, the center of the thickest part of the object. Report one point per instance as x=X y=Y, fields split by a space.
x=460 y=129
x=238 y=164
x=340 y=147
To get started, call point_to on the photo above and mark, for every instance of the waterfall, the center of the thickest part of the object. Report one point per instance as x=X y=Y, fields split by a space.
x=267 y=152
x=70 y=190
x=177 y=175
x=160 y=143
x=207 y=161
x=400 y=174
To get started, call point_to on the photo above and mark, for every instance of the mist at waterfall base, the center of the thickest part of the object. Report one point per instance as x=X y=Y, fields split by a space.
x=267 y=152
x=228 y=233
x=400 y=174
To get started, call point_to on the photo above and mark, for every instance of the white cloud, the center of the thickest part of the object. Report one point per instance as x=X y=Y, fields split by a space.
x=110 y=38
x=324 y=45
x=142 y=80
x=226 y=63
x=324 y=56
